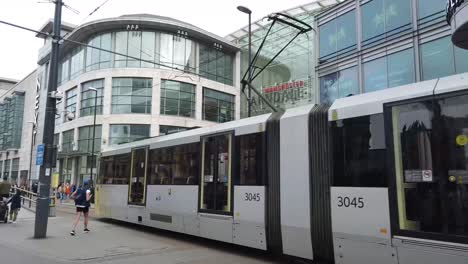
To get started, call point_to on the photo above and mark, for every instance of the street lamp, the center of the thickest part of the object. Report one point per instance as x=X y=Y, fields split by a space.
x=245 y=10
x=94 y=132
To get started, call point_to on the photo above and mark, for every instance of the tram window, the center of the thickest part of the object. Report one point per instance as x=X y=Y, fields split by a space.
x=250 y=157
x=106 y=173
x=359 y=152
x=177 y=165
x=431 y=165
x=122 y=165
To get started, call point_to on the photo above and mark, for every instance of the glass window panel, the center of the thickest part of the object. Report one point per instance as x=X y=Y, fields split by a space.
x=329 y=88
x=375 y=75
x=401 y=68
x=397 y=14
x=359 y=152
x=167 y=49
x=430 y=7
x=348 y=82
x=148 y=49
x=95 y=53
x=346 y=30
x=106 y=43
x=328 y=38
x=134 y=49
x=437 y=58
x=131 y=95
x=121 y=47
x=373 y=19
x=217 y=110
x=461 y=60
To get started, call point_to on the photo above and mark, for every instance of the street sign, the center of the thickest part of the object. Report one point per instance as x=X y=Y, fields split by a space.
x=40 y=155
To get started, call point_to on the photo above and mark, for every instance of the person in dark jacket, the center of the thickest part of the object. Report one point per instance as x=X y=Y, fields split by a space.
x=15 y=206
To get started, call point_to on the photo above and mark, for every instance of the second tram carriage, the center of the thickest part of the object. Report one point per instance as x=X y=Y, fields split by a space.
x=380 y=177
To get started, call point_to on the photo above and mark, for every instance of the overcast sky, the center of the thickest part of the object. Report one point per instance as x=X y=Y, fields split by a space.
x=18 y=48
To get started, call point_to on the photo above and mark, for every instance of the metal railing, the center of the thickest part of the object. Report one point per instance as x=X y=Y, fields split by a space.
x=29 y=198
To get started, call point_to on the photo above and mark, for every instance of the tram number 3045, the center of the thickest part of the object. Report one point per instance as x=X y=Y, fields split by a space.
x=252 y=197
x=356 y=202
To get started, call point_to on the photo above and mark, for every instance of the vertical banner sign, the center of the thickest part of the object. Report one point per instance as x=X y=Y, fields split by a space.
x=40 y=155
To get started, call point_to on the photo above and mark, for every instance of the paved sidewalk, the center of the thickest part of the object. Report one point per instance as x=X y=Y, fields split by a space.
x=112 y=243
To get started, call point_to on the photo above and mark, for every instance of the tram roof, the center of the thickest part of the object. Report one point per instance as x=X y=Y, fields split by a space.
x=372 y=103
x=240 y=127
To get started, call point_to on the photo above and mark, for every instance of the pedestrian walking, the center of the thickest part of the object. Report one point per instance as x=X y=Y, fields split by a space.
x=67 y=191
x=61 y=192
x=5 y=187
x=15 y=206
x=82 y=196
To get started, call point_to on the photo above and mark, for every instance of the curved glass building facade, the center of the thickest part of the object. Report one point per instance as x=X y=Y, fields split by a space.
x=143 y=76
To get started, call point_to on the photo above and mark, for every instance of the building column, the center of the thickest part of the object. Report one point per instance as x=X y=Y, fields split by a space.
x=199 y=102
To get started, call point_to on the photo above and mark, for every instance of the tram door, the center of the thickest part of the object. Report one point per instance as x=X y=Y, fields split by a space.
x=137 y=184
x=216 y=181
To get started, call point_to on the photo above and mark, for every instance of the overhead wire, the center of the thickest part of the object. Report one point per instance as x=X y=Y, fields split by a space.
x=183 y=71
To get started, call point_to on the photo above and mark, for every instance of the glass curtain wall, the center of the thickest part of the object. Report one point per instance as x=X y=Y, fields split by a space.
x=339 y=84
x=218 y=106
x=70 y=102
x=430 y=12
x=14 y=169
x=386 y=72
x=127 y=133
x=88 y=98
x=11 y=121
x=131 y=95
x=216 y=65
x=383 y=20
x=6 y=172
x=177 y=98
x=85 y=139
x=294 y=65
x=338 y=36
x=147 y=49
x=67 y=141
x=177 y=52
x=440 y=58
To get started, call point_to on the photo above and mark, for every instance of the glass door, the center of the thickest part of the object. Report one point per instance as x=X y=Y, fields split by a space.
x=137 y=185
x=215 y=186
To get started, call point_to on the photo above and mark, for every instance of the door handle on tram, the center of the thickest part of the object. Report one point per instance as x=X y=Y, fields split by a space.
x=169 y=192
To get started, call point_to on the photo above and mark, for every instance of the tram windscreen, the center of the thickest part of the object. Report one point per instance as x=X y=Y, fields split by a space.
x=430 y=140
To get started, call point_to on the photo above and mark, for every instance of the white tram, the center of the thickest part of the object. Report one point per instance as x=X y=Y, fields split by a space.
x=375 y=178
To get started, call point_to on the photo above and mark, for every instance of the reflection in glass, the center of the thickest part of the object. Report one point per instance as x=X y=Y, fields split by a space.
x=375 y=75
x=127 y=133
x=359 y=152
x=339 y=84
x=131 y=95
x=437 y=58
x=218 y=106
x=385 y=17
x=338 y=34
x=177 y=98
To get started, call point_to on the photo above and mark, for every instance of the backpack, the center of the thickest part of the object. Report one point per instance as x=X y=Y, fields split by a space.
x=80 y=197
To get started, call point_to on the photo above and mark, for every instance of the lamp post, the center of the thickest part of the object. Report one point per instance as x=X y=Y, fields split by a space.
x=94 y=132
x=245 y=10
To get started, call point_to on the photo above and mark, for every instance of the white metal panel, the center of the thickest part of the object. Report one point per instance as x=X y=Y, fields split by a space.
x=249 y=216
x=359 y=252
x=368 y=217
x=176 y=199
x=452 y=83
x=372 y=103
x=294 y=182
x=249 y=204
x=217 y=227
